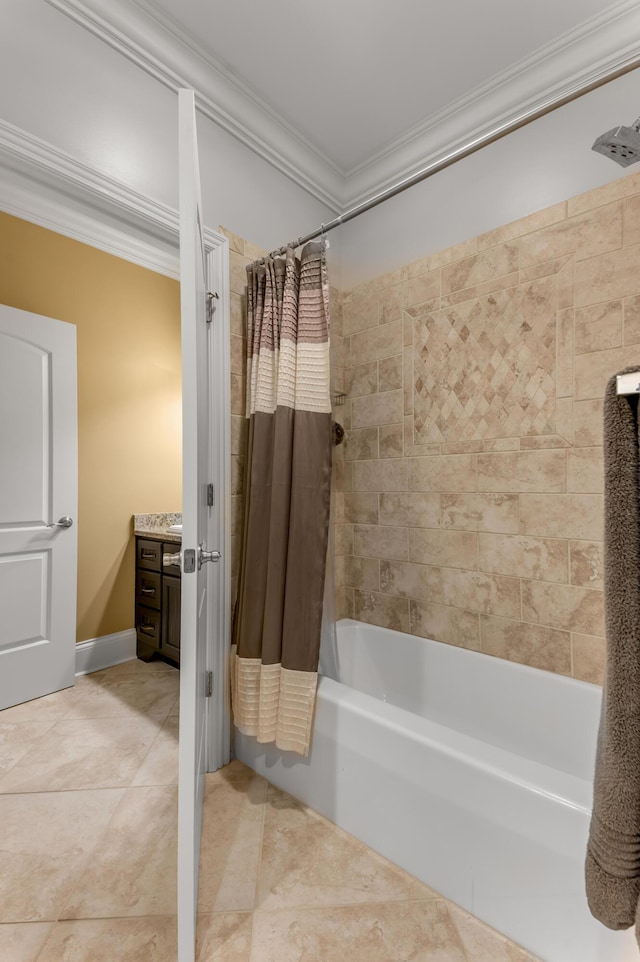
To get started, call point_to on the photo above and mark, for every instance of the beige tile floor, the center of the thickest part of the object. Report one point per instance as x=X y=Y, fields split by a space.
x=88 y=807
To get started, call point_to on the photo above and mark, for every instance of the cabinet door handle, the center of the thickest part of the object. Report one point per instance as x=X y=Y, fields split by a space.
x=148 y=555
x=147 y=591
x=147 y=629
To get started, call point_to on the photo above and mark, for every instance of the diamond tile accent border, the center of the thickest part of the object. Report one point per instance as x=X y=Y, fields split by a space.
x=486 y=368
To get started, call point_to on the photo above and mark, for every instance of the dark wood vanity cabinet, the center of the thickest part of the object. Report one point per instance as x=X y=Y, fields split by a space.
x=171 y=617
x=157 y=601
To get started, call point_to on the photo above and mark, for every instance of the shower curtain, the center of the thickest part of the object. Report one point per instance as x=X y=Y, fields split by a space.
x=287 y=492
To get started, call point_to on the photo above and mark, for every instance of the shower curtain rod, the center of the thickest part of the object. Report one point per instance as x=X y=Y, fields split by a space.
x=465 y=150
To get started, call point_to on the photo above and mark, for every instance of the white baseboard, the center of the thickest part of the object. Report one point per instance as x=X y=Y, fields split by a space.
x=105 y=652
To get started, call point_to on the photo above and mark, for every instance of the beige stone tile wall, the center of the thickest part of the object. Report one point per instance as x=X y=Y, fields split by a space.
x=471 y=492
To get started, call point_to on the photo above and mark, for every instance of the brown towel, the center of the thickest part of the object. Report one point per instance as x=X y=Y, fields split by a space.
x=613 y=852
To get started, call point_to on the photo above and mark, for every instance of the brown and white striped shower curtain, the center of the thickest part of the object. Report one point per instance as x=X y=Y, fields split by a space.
x=287 y=491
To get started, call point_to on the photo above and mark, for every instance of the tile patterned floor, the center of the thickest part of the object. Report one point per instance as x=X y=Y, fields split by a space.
x=88 y=854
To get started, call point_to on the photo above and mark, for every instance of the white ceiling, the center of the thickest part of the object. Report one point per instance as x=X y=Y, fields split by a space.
x=348 y=97
x=355 y=77
x=88 y=116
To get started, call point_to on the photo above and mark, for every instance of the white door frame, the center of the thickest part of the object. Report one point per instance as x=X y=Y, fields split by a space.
x=219 y=615
x=218 y=750
x=218 y=724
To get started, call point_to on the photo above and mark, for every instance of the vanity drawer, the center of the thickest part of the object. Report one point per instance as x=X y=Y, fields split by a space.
x=149 y=554
x=148 y=588
x=148 y=626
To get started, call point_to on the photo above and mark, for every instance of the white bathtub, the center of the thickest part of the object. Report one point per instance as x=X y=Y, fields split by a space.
x=472 y=773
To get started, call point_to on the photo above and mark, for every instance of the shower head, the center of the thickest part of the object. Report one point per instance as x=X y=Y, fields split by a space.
x=622 y=144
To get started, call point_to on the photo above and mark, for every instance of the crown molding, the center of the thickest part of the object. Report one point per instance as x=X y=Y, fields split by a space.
x=48 y=187
x=17 y=197
x=591 y=54
x=153 y=43
x=112 y=217
x=19 y=147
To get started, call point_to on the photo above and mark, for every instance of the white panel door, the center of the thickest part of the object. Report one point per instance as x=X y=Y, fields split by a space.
x=38 y=489
x=198 y=581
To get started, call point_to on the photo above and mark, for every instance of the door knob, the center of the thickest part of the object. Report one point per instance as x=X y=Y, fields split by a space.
x=64 y=522
x=204 y=555
x=172 y=559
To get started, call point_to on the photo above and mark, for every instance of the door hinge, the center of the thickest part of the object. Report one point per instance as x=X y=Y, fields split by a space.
x=209 y=692
x=210 y=495
x=211 y=297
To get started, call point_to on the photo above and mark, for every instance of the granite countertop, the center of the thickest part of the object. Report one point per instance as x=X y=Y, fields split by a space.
x=155 y=526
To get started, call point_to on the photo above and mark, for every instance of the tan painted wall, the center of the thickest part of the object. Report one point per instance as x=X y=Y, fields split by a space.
x=471 y=506
x=129 y=399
